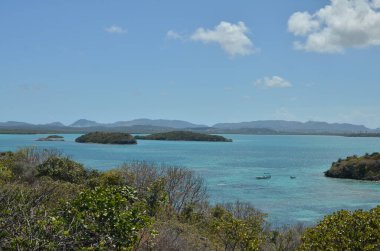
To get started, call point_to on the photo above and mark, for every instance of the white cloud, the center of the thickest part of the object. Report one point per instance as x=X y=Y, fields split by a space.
x=174 y=35
x=232 y=38
x=115 y=29
x=339 y=25
x=273 y=82
x=301 y=23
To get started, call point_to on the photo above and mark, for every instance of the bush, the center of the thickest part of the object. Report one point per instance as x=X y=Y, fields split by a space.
x=183 y=187
x=345 y=230
x=238 y=226
x=103 y=218
x=25 y=208
x=63 y=168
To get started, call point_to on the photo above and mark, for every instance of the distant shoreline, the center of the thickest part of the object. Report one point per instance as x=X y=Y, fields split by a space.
x=237 y=132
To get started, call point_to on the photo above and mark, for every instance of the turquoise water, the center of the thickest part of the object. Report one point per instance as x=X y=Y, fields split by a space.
x=230 y=169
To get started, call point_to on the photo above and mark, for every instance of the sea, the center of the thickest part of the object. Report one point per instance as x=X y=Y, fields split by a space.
x=230 y=169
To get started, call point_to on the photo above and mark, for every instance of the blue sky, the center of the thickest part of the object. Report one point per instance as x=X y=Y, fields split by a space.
x=200 y=61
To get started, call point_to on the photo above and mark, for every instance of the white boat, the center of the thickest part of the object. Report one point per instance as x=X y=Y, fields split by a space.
x=264 y=177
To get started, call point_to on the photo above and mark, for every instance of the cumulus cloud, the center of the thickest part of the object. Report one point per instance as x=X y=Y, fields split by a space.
x=115 y=29
x=232 y=38
x=339 y=25
x=273 y=82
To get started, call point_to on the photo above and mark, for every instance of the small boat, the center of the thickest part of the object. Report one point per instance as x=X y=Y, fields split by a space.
x=292 y=177
x=264 y=177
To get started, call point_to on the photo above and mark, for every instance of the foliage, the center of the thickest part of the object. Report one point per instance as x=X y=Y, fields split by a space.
x=182 y=186
x=106 y=217
x=63 y=168
x=238 y=226
x=185 y=136
x=25 y=208
x=106 y=138
x=366 y=167
x=283 y=239
x=50 y=202
x=5 y=173
x=345 y=230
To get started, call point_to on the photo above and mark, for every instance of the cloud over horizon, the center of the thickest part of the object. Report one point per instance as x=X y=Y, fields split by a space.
x=341 y=24
x=232 y=38
x=273 y=82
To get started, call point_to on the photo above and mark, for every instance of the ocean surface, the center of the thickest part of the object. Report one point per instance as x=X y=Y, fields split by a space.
x=230 y=169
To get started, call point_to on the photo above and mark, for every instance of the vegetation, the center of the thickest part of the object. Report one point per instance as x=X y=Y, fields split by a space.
x=50 y=202
x=106 y=138
x=185 y=136
x=366 y=167
x=52 y=138
x=344 y=230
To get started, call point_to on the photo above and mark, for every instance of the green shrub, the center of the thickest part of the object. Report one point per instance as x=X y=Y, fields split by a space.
x=62 y=168
x=345 y=230
x=238 y=226
x=103 y=218
x=5 y=174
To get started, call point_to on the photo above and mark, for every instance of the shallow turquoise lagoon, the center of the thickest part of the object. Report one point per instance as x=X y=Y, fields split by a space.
x=230 y=169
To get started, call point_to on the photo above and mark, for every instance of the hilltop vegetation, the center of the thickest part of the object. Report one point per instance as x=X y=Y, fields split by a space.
x=50 y=202
x=366 y=167
x=184 y=136
x=107 y=138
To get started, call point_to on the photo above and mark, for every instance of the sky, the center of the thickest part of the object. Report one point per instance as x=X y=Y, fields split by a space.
x=200 y=61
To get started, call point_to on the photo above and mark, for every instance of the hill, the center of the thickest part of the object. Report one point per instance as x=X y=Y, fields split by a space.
x=106 y=138
x=366 y=167
x=297 y=127
x=85 y=123
x=184 y=136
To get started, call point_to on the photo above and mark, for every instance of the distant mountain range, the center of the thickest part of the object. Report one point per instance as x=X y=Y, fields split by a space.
x=297 y=127
x=162 y=125
x=177 y=124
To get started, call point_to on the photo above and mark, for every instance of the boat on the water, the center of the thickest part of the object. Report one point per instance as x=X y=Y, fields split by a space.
x=264 y=177
x=292 y=177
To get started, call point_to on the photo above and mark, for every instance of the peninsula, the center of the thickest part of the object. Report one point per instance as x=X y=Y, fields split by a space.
x=366 y=167
x=107 y=138
x=184 y=136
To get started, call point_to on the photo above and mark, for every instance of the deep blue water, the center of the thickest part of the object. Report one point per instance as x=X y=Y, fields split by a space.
x=230 y=169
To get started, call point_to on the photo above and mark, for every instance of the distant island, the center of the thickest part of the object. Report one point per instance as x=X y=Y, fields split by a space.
x=184 y=136
x=107 y=138
x=52 y=138
x=366 y=167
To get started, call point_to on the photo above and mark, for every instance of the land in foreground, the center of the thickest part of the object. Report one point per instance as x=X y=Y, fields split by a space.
x=49 y=201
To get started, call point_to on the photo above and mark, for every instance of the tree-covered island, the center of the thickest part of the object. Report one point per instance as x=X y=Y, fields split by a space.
x=366 y=167
x=184 y=136
x=107 y=138
x=52 y=138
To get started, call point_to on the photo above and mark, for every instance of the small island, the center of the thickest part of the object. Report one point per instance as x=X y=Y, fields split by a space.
x=366 y=167
x=184 y=136
x=107 y=138
x=51 y=138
